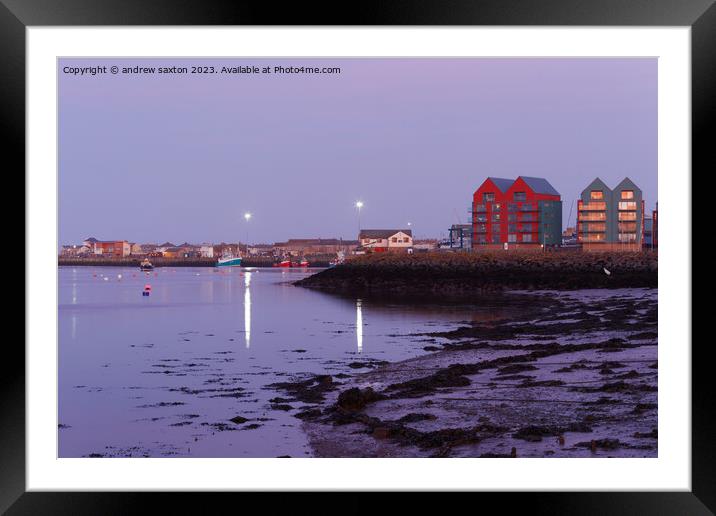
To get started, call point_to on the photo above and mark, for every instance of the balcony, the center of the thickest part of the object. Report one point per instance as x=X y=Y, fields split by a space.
x=593 y=206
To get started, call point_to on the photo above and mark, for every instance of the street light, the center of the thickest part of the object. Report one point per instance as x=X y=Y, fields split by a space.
x=359 y=205
x=247 y=217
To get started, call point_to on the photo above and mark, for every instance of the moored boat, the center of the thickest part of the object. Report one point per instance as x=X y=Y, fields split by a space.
x=146 y=265
x=229 y=261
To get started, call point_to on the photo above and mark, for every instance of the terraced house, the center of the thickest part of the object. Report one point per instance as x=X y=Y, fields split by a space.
x=522 y=213
x=610 y=219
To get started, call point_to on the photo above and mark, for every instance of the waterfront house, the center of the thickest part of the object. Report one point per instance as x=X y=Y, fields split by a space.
x=610 y=219
x=522 y=213
x=163 y=247
x=380 y=240
x=313 y=246
x=75 y=250
x=206 y=251
x=113 y=248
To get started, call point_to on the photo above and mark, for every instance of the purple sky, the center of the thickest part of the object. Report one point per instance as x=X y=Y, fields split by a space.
x=150 y=158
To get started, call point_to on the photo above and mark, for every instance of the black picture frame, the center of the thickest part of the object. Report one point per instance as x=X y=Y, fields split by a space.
x=17 y=15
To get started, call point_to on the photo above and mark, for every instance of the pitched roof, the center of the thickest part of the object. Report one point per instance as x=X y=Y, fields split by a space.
x=167 y=244
x=383 y=233
x=540 y=185
x=91 y=239
x=502 y=183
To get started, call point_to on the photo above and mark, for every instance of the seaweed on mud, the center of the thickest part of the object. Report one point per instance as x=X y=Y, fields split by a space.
x=281 y=406
x=619 y=386
x=414 y=417
x=449 y=377
x=515 y=368
x=535 y=433
x=311 y=390
x=605 y=444
x=356 y=399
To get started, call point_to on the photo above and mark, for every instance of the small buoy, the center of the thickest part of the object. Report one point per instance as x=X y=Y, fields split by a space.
x=147 y=287
x=119 y=276
x=606 y=271
x=106 y=278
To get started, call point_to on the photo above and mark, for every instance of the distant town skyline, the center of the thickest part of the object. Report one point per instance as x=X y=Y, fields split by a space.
x=156 y=158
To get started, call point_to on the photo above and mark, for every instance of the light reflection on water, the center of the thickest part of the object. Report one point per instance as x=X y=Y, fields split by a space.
x=129 y=365
x=247 y=309
x=359 y=324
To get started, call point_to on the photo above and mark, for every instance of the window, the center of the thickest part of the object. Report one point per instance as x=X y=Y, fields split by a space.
x=527 y=237
x=495 y=239
x=520 y=196
x=394 y=240
x=527 y=206
x=627 y=205
x=511 y=206
x=596 y=195
x=512 y=228
x=526 y=227
x=593 y=216
x=512 y=238
x=627 y=194
x=495 y=228
x=627 y=237
x=600 y=227
x=627 y=215
x=480 y=208
x=482 y=228
x=497 y=207
x=512 y=217
x=488 y=197
x=496 y=217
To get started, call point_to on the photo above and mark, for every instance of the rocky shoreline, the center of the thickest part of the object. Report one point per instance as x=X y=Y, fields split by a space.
x=464 y=273
x=573 y=375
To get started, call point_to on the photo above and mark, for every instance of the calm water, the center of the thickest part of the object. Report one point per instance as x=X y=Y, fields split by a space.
x=162 y=375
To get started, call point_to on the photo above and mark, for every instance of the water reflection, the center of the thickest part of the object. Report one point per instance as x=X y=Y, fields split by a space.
x=247 y=309
x=359 y=324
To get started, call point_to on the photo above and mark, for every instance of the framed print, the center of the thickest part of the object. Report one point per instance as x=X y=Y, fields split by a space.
x=411 y=250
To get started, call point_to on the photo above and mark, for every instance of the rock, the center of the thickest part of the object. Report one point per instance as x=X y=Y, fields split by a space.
x=238 y=420
x=309 y=414
x=381 y=432
x=356 y=399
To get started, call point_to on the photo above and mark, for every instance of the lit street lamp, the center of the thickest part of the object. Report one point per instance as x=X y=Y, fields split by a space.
x=359 y=205
x=247 y=217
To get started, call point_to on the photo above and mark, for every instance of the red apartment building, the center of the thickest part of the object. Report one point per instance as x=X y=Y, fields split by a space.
x=522 y=213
